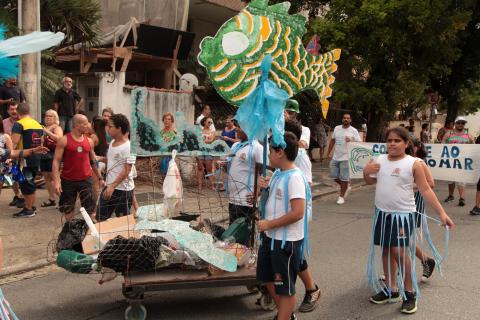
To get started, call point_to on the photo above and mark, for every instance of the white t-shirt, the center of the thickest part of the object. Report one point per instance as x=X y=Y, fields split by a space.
x=302 y=161
x=339 y=133
x=296 y=190
x=241 y=168
x=117 y=157
x=395 y=183
x=305 y=135
x=199 y=120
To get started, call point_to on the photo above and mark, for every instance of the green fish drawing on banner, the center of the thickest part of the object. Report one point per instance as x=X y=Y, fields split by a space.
x=232 y=58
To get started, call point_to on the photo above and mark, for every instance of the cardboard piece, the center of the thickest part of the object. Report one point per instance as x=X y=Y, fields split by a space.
x=121 y=226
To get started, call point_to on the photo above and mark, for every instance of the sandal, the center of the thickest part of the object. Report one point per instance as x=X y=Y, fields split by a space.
x=49 y=203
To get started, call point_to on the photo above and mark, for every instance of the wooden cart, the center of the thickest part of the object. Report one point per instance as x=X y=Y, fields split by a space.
x=136 y=284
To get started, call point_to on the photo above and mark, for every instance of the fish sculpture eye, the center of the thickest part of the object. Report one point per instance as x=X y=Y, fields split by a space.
x=234 y=43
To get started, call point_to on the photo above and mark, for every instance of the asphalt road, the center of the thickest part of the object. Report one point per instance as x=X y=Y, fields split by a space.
x=339 y=245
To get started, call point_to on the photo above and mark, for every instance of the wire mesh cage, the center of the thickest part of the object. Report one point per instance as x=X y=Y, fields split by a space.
x=202 y=232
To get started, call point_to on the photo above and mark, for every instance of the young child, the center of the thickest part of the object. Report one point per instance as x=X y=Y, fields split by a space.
x=302 y=162
x=118 y=195
x=285 y=226
x=394 y=229
x=428 y=264
x=241 y=175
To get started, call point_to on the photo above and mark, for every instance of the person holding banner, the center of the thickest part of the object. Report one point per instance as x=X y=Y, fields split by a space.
x=394 y=228
x=458 y=135
x=342 y=134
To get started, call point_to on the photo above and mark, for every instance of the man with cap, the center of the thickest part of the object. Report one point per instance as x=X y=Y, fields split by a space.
x=458 y=135
x=302 y=161
x=342 y=134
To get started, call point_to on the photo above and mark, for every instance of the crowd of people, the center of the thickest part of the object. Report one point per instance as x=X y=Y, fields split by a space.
x=91 y=160
x=76 y=157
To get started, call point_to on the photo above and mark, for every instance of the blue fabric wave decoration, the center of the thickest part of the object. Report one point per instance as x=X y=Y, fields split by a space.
x=406 y=222
x=15 y=46
x=263 y=109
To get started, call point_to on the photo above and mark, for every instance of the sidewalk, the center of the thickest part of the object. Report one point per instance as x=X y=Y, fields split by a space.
x=29 y=243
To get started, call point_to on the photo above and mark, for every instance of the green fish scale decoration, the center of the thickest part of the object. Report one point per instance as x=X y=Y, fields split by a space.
x=232 y=58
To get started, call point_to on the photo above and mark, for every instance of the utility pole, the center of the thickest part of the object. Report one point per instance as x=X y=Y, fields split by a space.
x=30 y=68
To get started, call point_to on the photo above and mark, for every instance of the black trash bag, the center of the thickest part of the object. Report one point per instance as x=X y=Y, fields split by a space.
x=72 y=235
x=122 y=254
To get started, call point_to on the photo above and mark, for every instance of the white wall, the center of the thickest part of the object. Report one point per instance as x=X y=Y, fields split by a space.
x=113 y=94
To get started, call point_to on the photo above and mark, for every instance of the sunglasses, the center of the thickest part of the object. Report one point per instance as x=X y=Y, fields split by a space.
x=461 y=122
x=209 y=122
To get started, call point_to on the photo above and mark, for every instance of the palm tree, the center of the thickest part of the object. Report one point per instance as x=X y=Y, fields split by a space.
x=78 y=19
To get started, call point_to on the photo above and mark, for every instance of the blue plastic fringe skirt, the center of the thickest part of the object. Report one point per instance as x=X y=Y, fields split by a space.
x=6 y=312
x=404 y=231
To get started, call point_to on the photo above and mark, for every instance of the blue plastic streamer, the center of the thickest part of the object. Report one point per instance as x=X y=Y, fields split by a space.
x=263 y=109
x=15 y=46
x=405 y=221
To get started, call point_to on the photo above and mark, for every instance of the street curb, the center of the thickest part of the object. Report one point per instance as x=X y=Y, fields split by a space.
x=26 y=267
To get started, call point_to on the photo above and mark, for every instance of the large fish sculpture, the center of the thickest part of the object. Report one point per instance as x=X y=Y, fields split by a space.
x=232 y=58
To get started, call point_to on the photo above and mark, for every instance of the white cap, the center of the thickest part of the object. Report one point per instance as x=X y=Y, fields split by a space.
x=460 y=119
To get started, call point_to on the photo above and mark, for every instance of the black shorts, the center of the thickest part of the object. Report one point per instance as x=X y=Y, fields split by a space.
x=70 y=191
x=478 y=185
x=120 y=202
x=46 y=165
x=236 y=211
x=279 y=266
x=393 y=234
x=28 y=186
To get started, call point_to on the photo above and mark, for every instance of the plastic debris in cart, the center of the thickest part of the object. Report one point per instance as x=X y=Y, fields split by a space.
x=198 y=242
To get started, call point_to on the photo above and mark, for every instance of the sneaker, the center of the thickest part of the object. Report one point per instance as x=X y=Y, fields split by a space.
x=310 y=300
x=409 y=305
x=13 y=203
x=475 y=211
x=383 y=298
x=340 y=200
x=25 y=213
x=428 y=268
x=449 y=199
x=461 y=202
x=20 y=203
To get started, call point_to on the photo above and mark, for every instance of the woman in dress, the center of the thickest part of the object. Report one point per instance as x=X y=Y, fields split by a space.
x=52 y=134
x=205 y=162
x=167 y=134
x=321 y=133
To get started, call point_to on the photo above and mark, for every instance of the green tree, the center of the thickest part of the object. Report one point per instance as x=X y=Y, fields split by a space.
x=460 y=86
x=391 y=51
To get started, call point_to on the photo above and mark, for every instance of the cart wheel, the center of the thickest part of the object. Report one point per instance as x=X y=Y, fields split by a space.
x=267 y=303
x=136 y=312
x=253 y=289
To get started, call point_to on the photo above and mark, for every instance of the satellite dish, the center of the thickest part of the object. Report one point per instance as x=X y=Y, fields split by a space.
x=188 y=82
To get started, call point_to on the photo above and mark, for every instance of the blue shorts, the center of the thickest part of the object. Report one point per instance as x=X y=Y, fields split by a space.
x=339 y=170
x=280 y=266
x=390 y=232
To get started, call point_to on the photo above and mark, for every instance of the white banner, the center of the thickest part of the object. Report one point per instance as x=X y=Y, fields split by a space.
x=449 y=162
